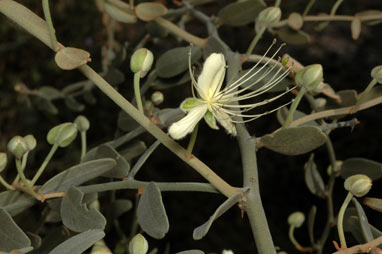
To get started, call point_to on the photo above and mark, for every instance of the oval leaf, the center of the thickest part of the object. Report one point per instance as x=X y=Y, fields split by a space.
x=240 y=13
x=75 y=214
x=79 y=243
x=175 y=61
x=124 y=15
x=365 y=227
x=70 y=58
x=77 y=175
x=293 y=37
x=11 y=236
x=347 y=98
x=313 y=178
x=151 y=213
x=106 y=151
x=355 y=27
x=367 y=167
x=50 y=93
x=149 y=11
x=202 y=230
x=294 y=140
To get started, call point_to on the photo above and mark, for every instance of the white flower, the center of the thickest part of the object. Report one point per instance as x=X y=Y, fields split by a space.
x=222 y=105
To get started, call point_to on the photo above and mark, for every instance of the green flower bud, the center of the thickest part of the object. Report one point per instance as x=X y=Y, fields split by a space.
x=359 y=185
x=100 y=248
x=63 y=134
x=18 y=146
x=310 y=76
x=31 y=141
x=376 y=73
x=141 y=60
x=138 y=245
x=157 y=97
x=269 y=17
x=296 y=219
x=3 y=161
x=82 y=123
x=338 y=167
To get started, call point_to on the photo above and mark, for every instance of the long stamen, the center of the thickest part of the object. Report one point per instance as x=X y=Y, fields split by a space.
x=193 y=81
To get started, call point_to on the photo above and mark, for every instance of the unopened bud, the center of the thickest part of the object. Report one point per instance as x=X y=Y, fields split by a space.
x=31 y=141
x=310 y=76
x=320 y=103
x=296 y=219
x=157 y=97
x=3 y=161
x=138 y=245
x=62 y=135
x=82 y=123
x=269 y=17
x=338 y=168
x=376 y=73
x=100 y=248
x=18 y=146
x=359 y=185
x=141 y=61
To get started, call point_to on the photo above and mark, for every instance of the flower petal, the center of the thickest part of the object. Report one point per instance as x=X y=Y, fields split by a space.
x=187 y=124
x=225 y=120
x=212 y=76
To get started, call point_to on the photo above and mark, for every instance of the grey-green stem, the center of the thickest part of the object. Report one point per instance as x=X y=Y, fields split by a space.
x=341 y=214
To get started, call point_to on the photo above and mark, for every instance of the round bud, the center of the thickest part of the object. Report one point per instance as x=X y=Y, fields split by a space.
x=359 y=185
x=295 y=21
x=63 y=134
x=100 y=248
x=310 y=76
x=338 y=168
x=3 y=161
x=376 y=73
x=320 y=103
x=141 y=61
x=296 y=219
x=138 y=245
x=18 y=146
x=31 y=141
x=268 y=17
x=82 y=123
x=157 y=97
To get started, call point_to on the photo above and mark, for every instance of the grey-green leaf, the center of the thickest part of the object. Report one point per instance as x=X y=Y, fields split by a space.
x=175 y=61
x=293 y=37
x=364 y=223
x=151 y=213
x=311 y=220
x=373 y=203
x=75 y=214
x=15 y=202
x=313 y=178
x=202 y=230
x=79 y=243
x=348 y=98
x=294 y=140
x=191 y=252
x=120 y=206
x=106 y=151
x=11 y=235
x=77 y=175
x=49 y=93
x=240 y=13
x=353 y=166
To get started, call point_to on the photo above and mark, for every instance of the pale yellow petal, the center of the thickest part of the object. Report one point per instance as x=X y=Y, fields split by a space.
x=186 y=125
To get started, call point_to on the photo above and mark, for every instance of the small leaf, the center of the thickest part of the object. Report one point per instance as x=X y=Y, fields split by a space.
x=133 y=150
x=294 y=140
x=120 y=13
x=70 y=58
x=151 y=213
x=126 y=122
x=79 y=243
x=370 y=13
x=366 y=231
x=373 y=203
x=166 y=83
x=355 y=27
x=202 y=230
x=240 y=13
x=313 y=178
x=347 y=98
x=76 y=216
x=311 y=220
x=120 y=206
x=363 y=166
x=106 y=151
x=11 y=236
x=77 y=175
x=49 y=93
x=15 y=202
x=149 y=11
x=175 y=61
x=191 y=252
x=214 y=45
x=73 y=104
x=46 y=106
x=293 y=37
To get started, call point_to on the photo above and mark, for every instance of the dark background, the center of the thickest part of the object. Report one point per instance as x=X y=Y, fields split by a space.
x=347 y=65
